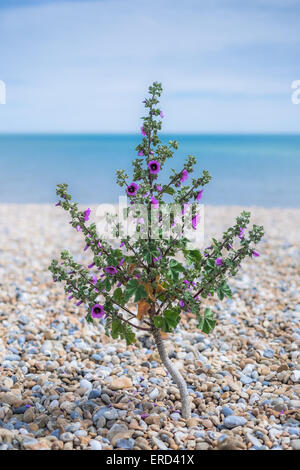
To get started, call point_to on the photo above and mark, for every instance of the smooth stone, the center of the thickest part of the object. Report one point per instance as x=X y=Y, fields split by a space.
x=175 y=416
x=101 y=422
x=296 y=444
x=227 y=411
x=95 y=445
x=125 y=443
x=66 y=437
x=21 y=410
x=295 y=376
x=159 y=443
x=85 y=384
x=94 y=394
x=154 y=394
x=116 y=429
x=251 y=438
x=246 y=380
x=111 y=414
x=232 y=421
x=269 y=353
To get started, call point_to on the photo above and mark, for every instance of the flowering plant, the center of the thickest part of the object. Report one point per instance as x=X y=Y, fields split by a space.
x=146 y=270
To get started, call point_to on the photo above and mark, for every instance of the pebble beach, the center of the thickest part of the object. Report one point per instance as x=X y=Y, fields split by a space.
x=65 y=385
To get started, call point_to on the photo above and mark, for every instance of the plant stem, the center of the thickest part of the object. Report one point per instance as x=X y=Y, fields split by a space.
x=175 y=374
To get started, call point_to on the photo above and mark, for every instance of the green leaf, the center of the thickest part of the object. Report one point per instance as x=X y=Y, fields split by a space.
x=134 y=288
x=106 y=284
x=206 y=321
x=116 y=328
x=148 y=257
x=224 y=291
x=159 y=322
x=172 y=317
x=122 y=330
x=169 y=190
x=174 y=269
x=169 y=320
x=129 y=336
x=118 y=296
x=192 y=256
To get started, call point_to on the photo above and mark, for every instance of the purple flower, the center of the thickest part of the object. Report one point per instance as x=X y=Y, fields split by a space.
x=242 y=231
x=199 y=195
x=58 y=204
x=255 y=253
x=98 y=311
x=122 y=261
x=141 y=153
x=110 y=270
x=154 y=167
x=229 y=246
x=161 y=114
x=184 y=176
x=54 y=279
x=219 y=261
x=87 y=214
x=154 y=202
x=90 y=266
x=158 y=187
x=132 y=189
x=195 y=221
x=157 y=259
x=78 y=228
x=181 y=303
x=94 y=280
x=122 y=244
x=70 y=297
x=86 y=247
x=142 y=131
x=78 y=303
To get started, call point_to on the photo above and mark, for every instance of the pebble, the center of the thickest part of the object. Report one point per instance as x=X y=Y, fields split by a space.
x=296 y=444
x=125 y=444
x=232 y=421
x=227 y=411
x=94 y=394
x=154 y=394
x=85 y=384
x=159 y=443
x=84 y=390
x=95 y=445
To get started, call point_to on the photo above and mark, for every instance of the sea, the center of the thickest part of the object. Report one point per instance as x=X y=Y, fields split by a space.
x=246 y=170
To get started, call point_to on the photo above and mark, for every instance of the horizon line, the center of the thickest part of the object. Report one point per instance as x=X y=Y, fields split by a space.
x=182 y=133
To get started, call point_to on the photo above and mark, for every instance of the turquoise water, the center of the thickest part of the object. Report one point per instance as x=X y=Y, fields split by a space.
x=246 y=170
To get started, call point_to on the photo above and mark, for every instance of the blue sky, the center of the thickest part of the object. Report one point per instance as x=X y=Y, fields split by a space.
x=84 y=66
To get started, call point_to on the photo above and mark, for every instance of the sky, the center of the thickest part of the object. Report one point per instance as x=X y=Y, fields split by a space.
x=226 y=66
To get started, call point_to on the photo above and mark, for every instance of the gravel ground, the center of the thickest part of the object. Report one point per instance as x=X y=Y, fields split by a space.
x=65 y=385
